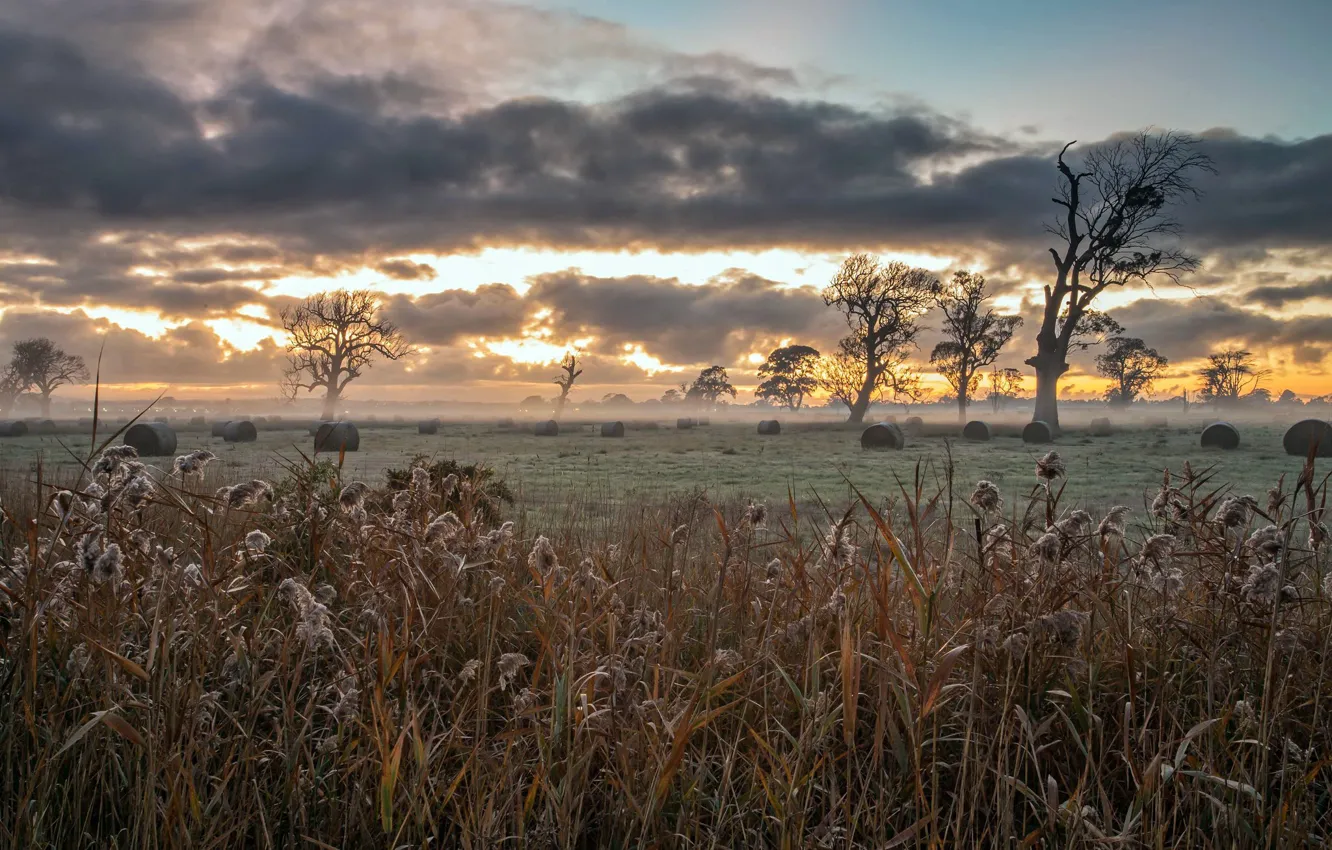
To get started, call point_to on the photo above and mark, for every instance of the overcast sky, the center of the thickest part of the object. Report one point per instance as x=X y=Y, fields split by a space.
x=664 y=185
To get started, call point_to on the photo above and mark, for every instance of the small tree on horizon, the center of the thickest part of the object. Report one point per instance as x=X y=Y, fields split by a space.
x=1005 y=384
x=1229 y=376
x=569 y=373
x=974 y=335
x=332 y=337
x=882 y=304
x=790 y=373
x=710 y=385
x=1132 y=367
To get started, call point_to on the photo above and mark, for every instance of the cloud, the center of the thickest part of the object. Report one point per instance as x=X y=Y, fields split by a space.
x=680 y=323
x=406 y=270
x=1280 y=296
x=444 y=318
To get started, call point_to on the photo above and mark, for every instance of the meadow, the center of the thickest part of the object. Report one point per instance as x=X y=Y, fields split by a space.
x=246 y=651
x=812 y=461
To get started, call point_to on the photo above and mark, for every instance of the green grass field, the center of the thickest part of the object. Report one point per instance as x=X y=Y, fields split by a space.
x=731 y=461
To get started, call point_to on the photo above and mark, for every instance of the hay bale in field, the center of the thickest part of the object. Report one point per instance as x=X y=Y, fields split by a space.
x=151 y=439
x=883 y=436
x=1101 y=427
x=506 y=422
x=258 y=420
x=913 y=426
x=548 y=428
x=220 y=428
x=40 y=426
x=702 y=421
x=770 y=428
x=13 y=428
x=1308 y=435
x=337 y=437
x=1221 y=435
x=645 y=426
x=198 y=421
x=1037 y=432
x=684 y=423
x=240 y=431
x=977 y=431
x=612 y=429
x=428 y=426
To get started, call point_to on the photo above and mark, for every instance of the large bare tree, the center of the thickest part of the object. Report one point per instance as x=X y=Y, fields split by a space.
x=843 y=375
x=1115 y=228
x=332 y=337
x=882 y=303
x=569 y=373
x=40 y=366
x=973 y=335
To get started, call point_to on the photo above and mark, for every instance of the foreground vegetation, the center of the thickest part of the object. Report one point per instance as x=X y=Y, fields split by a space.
x=311 y=661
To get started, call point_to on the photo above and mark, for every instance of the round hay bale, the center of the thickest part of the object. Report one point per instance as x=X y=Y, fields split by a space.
x=13 y=428
x=1221 y=435
x=258 y=420
x=977 y=431
x=1101 y=427
x=151 y=439
x=913 y=426
x=506 y=422
x=337 y=437
x=240 y=431
x=220 y=428
x=1037 y=432
x=1308 y=435
x=702 y=421
x=612 y=429
x=548 y=428
x=428 y=426
x=684 y=423
x=198 y=421
x=314 y=428
x=883 y=436
x=770 y=428
x=40 y=426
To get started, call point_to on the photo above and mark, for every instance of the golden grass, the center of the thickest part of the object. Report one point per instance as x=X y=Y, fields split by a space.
x=386 y=669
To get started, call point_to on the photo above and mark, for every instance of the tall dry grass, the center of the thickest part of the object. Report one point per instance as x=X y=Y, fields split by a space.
x=313 y=662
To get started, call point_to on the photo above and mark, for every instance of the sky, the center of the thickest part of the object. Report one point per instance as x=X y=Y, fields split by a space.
x=662 y=186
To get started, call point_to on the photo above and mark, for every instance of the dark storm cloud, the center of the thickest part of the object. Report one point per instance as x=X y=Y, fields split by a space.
x=679 y=323
x=1280 y=296
x=443 y=318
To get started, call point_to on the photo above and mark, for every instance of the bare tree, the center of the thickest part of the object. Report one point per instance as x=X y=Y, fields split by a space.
x=1132 y=368
x=882 y=304
x=1005 y=384
x=569 y=373
x=42 y=367
x=974 y=335
x=333 y=337
x=1114 y=229
x=1229 y=376
x=843 y=377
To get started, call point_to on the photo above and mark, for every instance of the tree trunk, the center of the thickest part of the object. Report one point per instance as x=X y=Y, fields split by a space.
x=861 y=405
x=45 y=401
x=330 y=404
x=1050 y=366
x=962 y=404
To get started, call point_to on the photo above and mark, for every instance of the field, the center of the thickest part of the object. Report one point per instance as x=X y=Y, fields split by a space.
x=729 y=460
x=619 y=659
